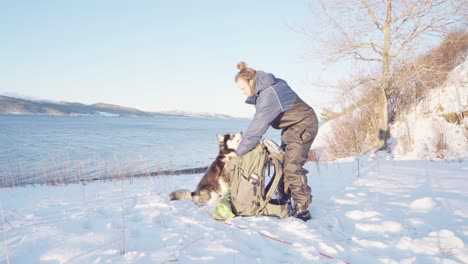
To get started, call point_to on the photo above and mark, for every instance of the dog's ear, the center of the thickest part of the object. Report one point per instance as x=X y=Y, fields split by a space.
x=220 y=138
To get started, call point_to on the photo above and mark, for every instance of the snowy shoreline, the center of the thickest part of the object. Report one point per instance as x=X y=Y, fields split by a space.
x=392 y=212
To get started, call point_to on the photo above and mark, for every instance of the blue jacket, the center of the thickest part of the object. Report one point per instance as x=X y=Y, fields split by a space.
x=272 y=99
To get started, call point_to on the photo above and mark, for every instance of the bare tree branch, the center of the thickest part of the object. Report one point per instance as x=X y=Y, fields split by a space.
x=376 y=21
x=381 y=32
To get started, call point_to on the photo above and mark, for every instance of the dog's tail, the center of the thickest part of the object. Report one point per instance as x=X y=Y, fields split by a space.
x=181 y=195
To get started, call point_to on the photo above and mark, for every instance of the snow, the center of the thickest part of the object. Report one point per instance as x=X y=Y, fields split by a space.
x=409 y=206
x=424 y=205
x=415 y=135
x=392 y=211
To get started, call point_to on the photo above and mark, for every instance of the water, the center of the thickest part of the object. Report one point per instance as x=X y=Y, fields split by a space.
x=38 y=149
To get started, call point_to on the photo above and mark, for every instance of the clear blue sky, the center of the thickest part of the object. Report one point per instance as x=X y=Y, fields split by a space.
x=155 y=55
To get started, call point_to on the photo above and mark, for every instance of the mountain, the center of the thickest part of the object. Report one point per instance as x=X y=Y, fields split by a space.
x=23 y=106
x=19 y=106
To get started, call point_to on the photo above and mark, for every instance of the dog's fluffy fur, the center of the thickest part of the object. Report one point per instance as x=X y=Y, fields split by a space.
x=215 y=182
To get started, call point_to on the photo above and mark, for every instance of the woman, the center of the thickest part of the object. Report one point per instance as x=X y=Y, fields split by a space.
x=278 y=105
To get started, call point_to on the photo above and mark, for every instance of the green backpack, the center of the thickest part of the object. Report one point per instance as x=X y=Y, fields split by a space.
x=248 y=195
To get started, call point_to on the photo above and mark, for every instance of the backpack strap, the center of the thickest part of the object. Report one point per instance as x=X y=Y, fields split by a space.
x=274 y=183
x=278 y=174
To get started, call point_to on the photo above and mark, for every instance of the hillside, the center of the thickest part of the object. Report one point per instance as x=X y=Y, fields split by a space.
x=19 y=106
x=435 y=127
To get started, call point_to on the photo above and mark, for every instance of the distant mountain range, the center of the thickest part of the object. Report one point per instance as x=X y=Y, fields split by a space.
x=22 y=106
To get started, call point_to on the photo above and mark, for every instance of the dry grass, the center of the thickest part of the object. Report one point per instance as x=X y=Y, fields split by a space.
x=451 y=117
x=407 y=139
x=4 y=235
x=355 y=127
x=352 y=134
x=440 y=139
x=313 y=156
x=56 y=172
x=413 y=78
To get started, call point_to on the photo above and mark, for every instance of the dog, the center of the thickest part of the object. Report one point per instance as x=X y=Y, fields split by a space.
x=215 y=182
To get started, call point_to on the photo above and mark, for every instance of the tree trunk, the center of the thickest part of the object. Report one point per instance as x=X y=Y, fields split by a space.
x=384 y=131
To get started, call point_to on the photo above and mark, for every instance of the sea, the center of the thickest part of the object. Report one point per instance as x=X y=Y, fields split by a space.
x=43 y=149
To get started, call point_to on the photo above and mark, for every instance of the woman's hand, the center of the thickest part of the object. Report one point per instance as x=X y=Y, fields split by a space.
x=231 y=155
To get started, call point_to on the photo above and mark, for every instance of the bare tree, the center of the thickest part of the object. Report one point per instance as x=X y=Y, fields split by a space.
x=414 y=77
x=380 y=32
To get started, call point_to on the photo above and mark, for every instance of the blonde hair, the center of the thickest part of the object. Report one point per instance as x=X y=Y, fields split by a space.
x=245 y=73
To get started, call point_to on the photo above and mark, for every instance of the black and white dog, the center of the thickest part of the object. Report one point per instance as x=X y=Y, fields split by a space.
x=215 y=182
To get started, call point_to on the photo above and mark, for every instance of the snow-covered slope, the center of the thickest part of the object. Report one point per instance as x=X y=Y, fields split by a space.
x=394 y=212
x=424 y=133
x=416 y=135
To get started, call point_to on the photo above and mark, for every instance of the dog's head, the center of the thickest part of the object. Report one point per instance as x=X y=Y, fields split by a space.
x=229 y=142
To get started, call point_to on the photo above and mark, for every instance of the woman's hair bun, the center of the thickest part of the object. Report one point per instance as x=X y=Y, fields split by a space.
x=241 y=65
x=244 y=73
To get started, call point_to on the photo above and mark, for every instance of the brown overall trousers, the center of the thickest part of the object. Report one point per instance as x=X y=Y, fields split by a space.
x=296 y=140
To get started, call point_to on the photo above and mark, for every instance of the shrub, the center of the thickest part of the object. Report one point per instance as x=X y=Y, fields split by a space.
x=355 y=126
x=327 y=115
x=351 y=134
x=451 y=117
x=414 y=77
x=440 y=139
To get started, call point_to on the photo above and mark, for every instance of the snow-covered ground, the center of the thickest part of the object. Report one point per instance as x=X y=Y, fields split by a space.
x=417 y=133
x=423 y=133
x=392 y=212
x=399 y=209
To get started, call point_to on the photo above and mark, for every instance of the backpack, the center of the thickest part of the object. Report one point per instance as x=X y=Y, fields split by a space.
x=249 y=196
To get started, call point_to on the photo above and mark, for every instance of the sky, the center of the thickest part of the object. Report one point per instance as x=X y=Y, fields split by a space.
x=156 y=55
